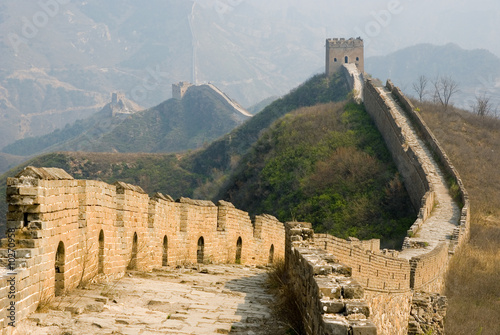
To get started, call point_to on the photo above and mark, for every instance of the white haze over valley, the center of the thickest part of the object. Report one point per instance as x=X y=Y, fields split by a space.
x=61 y=59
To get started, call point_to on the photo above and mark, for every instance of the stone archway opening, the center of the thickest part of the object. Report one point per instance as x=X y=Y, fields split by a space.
x=200 y=252
x=164 y=261
x=100 y=268
x=239 y=247
x=59 y=269
x=133 y=258
x=271 y=254
x=346 y=59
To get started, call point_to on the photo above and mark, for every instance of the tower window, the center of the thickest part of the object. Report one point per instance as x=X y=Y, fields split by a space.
x=335 y=59
x=357 y=59
x=346 y=59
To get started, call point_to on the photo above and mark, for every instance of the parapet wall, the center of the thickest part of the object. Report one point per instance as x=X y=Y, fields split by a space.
x=66 y=232
x=384 y=277
x=370 y=267
x=408 y=163
x=461 y=233
x=330 y=300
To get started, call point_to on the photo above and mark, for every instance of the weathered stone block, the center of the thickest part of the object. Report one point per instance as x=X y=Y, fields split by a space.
x=351 y=288
x=357 y=307
x=336 y=326
x=342 y=270
x=332 y=306
x=329 y=288
x=322 y=269
x=364 y=327
x=28 y=190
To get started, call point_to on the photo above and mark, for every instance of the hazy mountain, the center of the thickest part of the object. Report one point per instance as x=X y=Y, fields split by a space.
x=80 y=134
x=175 y=125
x=60 y=63
x=61 y=59
x=477 y=72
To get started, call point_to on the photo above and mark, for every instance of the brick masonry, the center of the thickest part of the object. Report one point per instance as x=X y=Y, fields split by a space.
x=68 y=232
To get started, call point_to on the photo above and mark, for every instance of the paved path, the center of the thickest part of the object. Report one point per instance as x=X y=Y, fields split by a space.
x=225 y=299
x=446 y=215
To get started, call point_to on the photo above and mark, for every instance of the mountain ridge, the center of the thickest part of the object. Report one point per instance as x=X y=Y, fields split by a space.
x=174 y=125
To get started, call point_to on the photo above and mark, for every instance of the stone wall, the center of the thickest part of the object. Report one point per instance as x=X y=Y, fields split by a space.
x=371 y=268
x=384 y=277
x=330 y=300
x=68 y=232
x=408 y=163
x=428 y=270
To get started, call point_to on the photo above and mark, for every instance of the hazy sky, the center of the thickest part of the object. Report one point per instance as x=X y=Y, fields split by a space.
x=389 y=25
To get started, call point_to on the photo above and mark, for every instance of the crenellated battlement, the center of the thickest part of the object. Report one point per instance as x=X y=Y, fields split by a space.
x=343 y=43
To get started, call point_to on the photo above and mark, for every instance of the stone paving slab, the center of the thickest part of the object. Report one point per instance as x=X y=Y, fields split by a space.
x=229 y=299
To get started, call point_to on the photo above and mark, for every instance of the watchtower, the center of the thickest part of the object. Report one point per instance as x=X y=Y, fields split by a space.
x=179 y=89
x=116 y=97
x=342 y=51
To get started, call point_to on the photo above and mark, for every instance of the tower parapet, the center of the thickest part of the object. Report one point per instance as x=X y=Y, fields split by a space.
x=341 y=51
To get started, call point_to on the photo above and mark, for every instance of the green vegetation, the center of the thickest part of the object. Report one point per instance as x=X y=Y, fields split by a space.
x=327 y=165
x=220 y=157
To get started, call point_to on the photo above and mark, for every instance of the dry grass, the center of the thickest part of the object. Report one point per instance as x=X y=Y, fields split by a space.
x=473 y=281
x=286 y=306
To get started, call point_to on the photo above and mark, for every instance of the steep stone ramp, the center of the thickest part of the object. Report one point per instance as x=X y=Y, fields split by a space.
x=230 y=101
x=440 y=225
x=355 y=79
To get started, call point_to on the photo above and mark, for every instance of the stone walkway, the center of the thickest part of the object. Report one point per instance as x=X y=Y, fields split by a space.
x=446 y=214
x=222 y=299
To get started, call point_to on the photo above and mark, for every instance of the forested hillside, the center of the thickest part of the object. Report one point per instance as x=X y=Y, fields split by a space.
x=327 y=165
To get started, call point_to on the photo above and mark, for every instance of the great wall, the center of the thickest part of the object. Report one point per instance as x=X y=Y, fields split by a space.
x=65 y=231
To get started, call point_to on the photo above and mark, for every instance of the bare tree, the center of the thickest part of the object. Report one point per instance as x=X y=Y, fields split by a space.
x=420 y=87
x=483 y=106
x=444 y=89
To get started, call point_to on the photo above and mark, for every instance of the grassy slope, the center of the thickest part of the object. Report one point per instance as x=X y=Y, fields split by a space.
x=217 y=160
x=327 y=165
x=473 y=285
